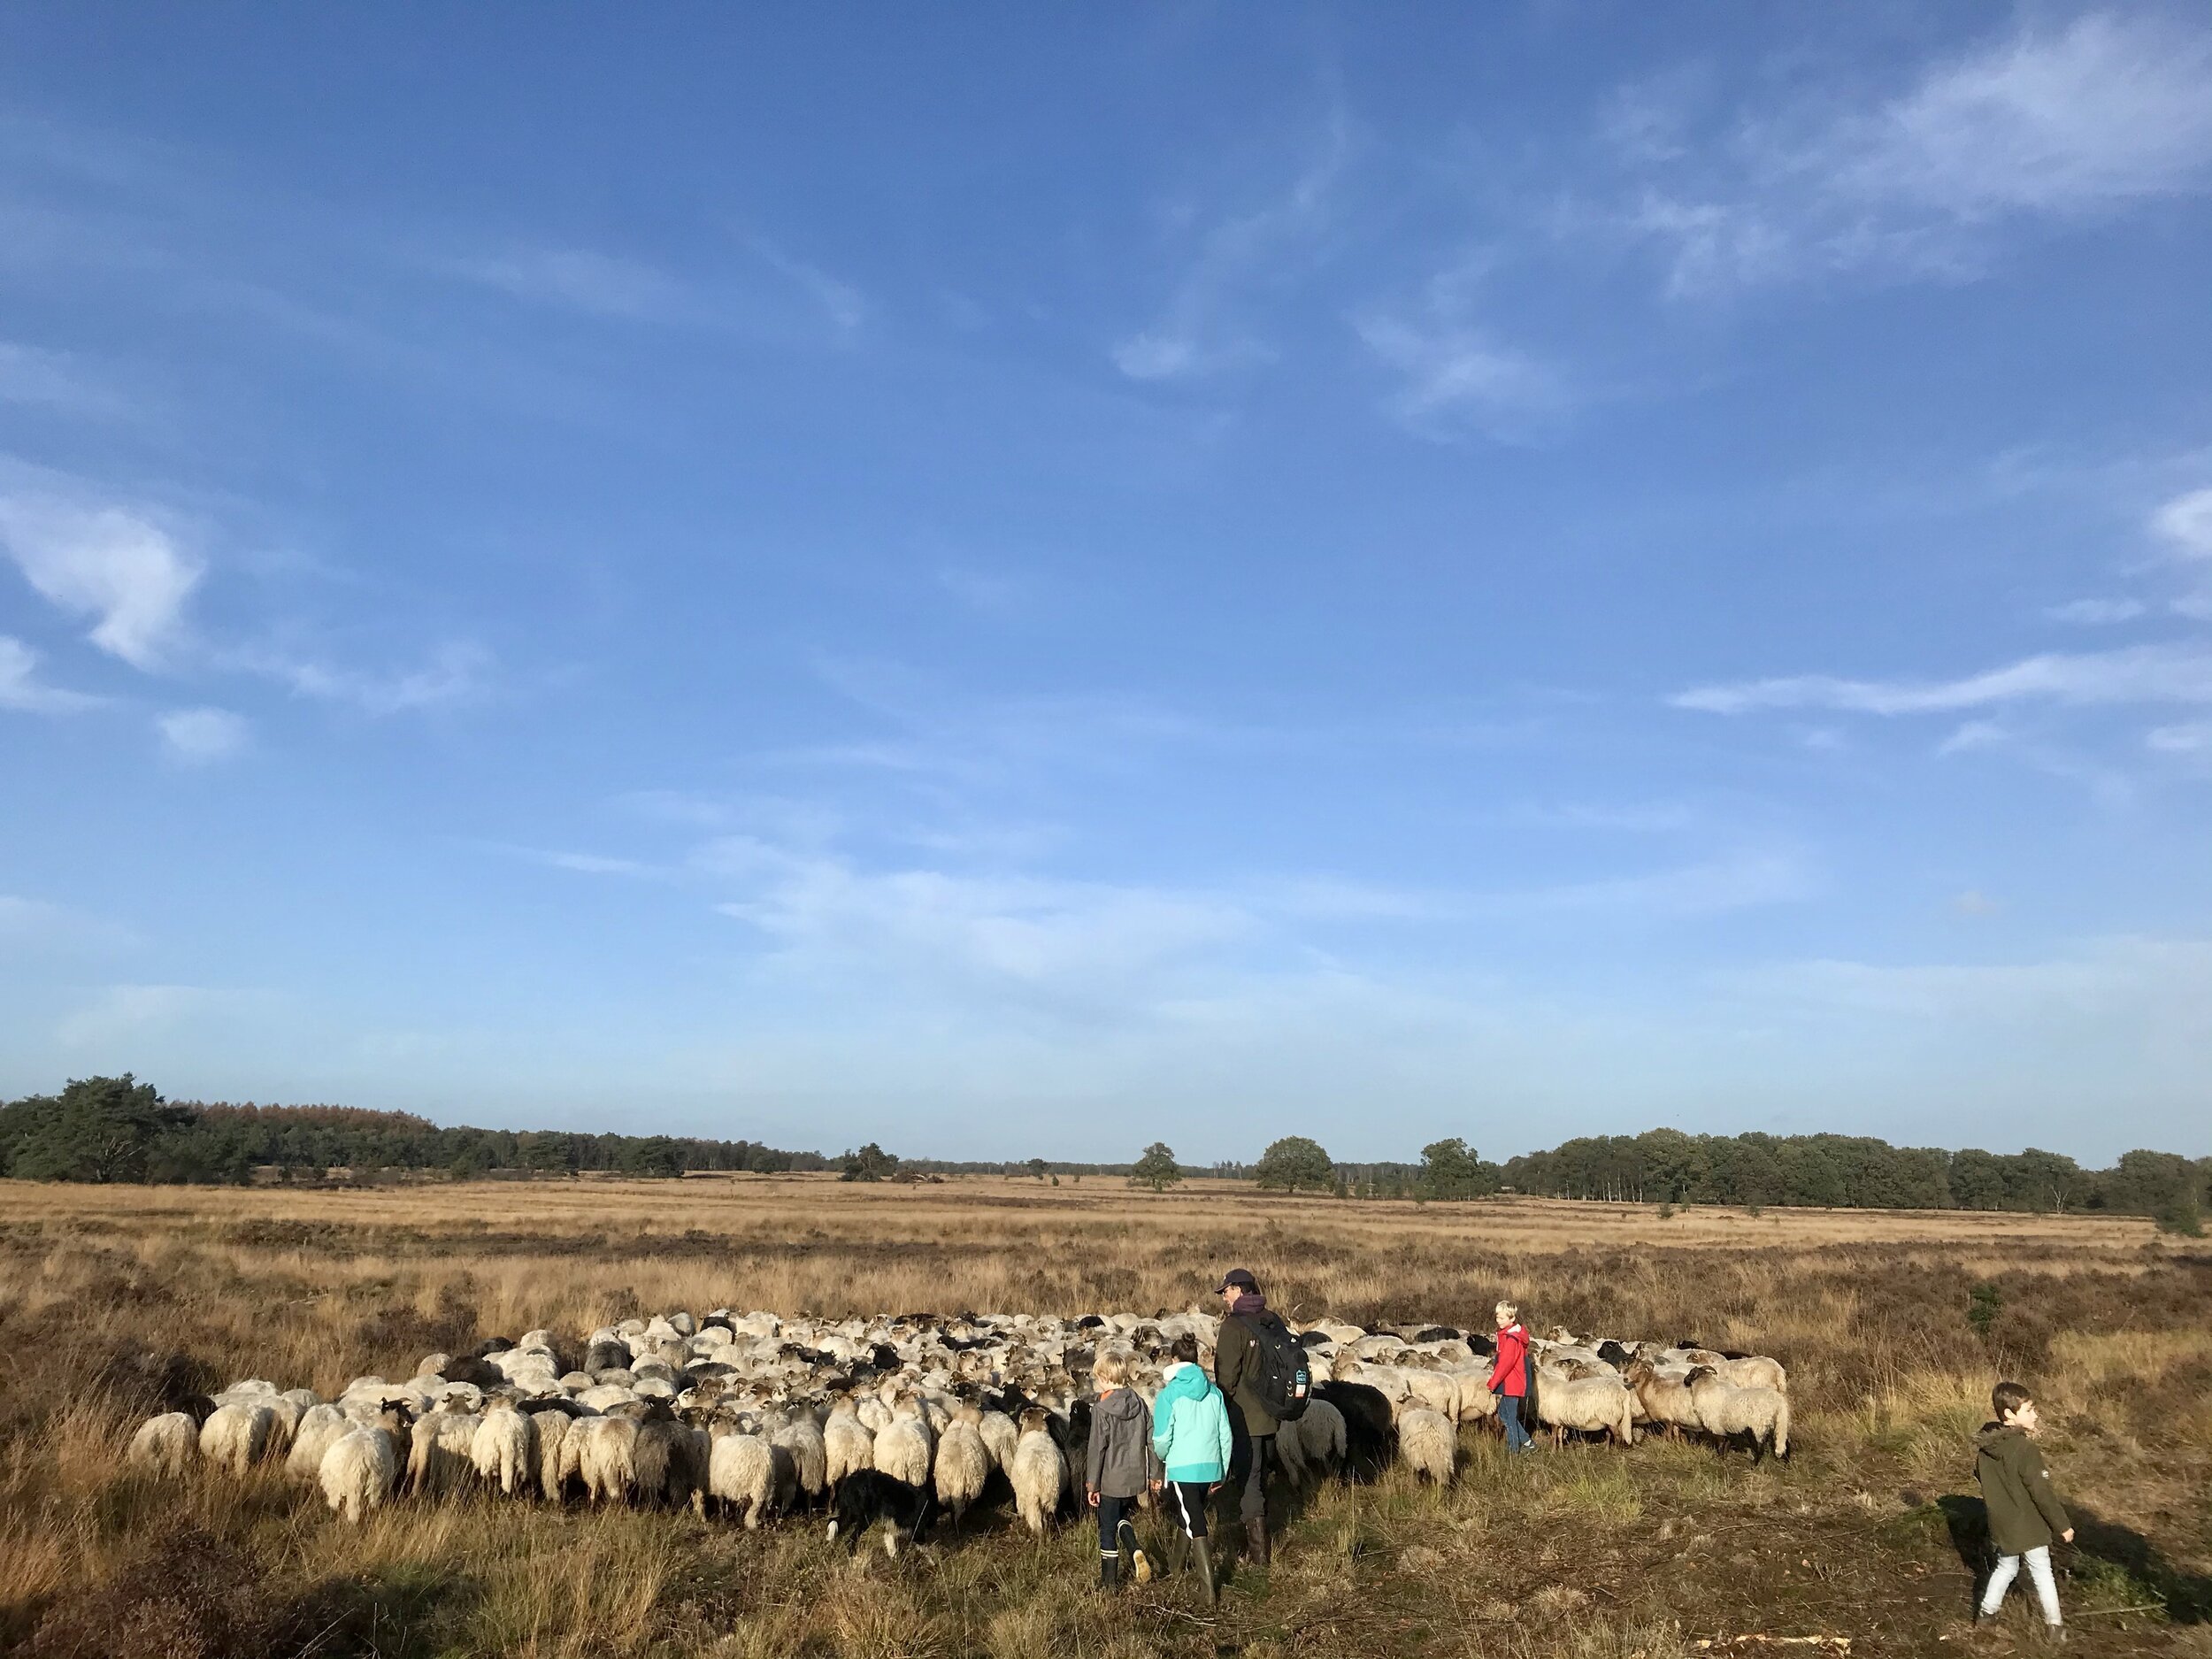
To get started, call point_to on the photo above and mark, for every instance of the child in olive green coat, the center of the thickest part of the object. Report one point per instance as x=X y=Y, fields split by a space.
x=2025 y=1516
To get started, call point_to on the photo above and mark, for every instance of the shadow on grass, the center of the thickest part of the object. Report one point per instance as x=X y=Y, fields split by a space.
x=2121 y=1551
x=197 y=1596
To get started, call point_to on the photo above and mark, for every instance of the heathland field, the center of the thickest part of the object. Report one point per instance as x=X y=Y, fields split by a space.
x=118 y=1301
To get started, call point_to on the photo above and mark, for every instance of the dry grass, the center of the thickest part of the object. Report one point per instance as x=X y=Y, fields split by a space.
x=116 y=1300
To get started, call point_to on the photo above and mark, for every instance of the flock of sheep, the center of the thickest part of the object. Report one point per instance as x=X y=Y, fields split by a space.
x=890 y=1418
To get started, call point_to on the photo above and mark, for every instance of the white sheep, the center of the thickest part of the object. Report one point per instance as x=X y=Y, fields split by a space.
x=320 y=1428
x=1590 y=1403
x=1038 y=1471
x=597 y=1450
x=1664 y=1397
x=903 y=1445
x=1757 y=1371
x=551 y=1428
x=440 y=1453
x=165 y=1445
x=236 y=1435
x=1428 y=1443
x=802 y=1438
x=503 y=1451
x=963 y=1463
x=1000 y=1436
x=745 y=1471
x=847 y=1446
x=360 y=1469
x=1726 y=1411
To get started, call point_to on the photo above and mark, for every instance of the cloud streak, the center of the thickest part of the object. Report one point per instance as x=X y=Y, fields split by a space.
x=2046 y=126
x=1195 y=335
x=200 y=737
x=23 y=692
x=1453 y=370
x=2137 y=674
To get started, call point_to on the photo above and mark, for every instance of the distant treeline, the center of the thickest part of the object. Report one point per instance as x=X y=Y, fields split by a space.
x=1853 y=1172
x=110 y=1129
x=118 y=1129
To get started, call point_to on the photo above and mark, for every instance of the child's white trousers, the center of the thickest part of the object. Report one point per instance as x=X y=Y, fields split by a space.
x=2038 y=1569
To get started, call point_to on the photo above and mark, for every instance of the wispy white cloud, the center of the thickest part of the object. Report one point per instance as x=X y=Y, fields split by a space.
x=1198 y=333
x=2097 y=612
x=35 y=927
x=108 y=563
x=2185 y=524
x=1452 y=369
x=627 y=289
x=844 y=305
x=582 y=280
x=2054 y=126
x=2168 y=982
x=2111 y=787
x=22 y=690
x=458 y=672
x=54 y=381
x=200 y=737
x=2188 y=737
x=121 y=1015
x=579 y=864
x=2135 y=674
x=1021 y=932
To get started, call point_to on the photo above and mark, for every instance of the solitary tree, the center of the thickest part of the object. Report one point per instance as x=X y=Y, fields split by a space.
x=1450 y=1169
x=1157 y=1169
x=1037 y=1167
x=1294 y=1163
x=871 y=1162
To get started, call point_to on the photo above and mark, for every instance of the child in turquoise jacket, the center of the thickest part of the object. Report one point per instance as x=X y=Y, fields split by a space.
x=1190 y=1434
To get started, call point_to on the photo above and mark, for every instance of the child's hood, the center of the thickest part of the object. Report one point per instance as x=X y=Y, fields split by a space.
x=1185 y=1381
x=1122 y=1404
x=1994 y=1435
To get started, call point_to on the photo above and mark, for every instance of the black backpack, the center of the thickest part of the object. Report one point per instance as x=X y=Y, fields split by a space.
x=1280 y=1376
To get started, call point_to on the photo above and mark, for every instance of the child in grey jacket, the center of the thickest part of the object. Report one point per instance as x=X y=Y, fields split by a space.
x=1120 y=1466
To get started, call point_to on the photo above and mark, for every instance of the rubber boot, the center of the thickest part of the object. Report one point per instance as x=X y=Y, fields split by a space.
x=1255 y=1541
x=1205 y=1565
x=1139 y=1563
x=1109 y=1573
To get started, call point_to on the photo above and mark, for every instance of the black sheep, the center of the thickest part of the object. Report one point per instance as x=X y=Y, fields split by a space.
x=869 y=1496
x=1368 y=1437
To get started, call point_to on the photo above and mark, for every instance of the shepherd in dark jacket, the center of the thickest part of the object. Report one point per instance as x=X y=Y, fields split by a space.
x=2025 y=1516
x=1251 y=1425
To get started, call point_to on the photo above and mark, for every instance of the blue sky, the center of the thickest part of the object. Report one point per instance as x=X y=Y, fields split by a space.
x=1019 y=582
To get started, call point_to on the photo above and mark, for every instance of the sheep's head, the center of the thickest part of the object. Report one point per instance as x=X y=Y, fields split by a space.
x=1701 y=1374
x=1032 y=1421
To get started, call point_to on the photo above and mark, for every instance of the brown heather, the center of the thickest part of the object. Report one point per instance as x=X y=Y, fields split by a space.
x=116 y=1302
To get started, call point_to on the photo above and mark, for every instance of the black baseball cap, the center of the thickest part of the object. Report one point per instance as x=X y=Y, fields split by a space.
x=1240 y=1277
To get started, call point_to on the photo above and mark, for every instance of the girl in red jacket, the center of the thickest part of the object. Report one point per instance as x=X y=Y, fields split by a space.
x=1509 y=1378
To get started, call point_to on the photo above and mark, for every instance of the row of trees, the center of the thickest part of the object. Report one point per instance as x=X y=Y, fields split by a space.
x=118 y=1129
x=1666 y=1166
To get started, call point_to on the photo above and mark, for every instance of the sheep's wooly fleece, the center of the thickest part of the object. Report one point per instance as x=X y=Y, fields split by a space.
x=757 y=1415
